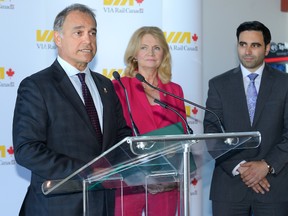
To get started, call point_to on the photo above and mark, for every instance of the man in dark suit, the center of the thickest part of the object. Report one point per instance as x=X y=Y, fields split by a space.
x=53 y=135
x=251 y=181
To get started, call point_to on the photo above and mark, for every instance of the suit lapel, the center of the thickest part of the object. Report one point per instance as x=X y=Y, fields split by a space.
x=65 y=86
x=267 y=82
x=239 y=97
x=143 y=104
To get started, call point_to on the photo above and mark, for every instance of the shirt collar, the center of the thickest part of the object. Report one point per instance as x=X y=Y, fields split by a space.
x=69 y=69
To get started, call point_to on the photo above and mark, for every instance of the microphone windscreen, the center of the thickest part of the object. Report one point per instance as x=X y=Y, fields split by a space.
x=140 y=77
x=116 y=75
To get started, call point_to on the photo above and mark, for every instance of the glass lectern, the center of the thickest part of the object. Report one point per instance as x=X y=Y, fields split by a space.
x=152 y=163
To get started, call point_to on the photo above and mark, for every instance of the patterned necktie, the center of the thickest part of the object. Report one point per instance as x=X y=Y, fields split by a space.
x=251 y=96
x=90 y=107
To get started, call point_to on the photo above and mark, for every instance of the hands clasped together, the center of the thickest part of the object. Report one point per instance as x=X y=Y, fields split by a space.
x=254 y=174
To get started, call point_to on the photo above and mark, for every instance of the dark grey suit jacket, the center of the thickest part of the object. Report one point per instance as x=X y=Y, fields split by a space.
x=53 y=137
x=226 y=96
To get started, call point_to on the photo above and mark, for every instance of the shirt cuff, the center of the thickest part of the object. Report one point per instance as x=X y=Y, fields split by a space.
x=235 y=170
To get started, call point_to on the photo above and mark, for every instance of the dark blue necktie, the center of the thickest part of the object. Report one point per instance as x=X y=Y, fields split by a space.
x=90 y=107
x=251 y=96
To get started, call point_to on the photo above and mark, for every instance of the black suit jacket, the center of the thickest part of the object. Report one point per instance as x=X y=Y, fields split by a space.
x=53 y=137
x=226 y=96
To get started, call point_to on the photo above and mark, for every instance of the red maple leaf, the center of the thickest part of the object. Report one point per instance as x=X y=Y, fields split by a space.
x=195 y=37
x=10 y=150
x=194 y=110
x=139 y=1
x=10 y=72
x=194 y=181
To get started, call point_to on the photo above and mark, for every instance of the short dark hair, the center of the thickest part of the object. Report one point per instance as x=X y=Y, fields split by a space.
x=255 y=26
x=60 y=18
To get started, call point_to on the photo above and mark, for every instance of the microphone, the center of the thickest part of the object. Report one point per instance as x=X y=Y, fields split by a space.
x=166 y=106
x=142 y=79
x=135 y=129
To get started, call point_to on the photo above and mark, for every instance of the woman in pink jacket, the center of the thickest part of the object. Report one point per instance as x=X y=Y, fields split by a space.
x=148 y=53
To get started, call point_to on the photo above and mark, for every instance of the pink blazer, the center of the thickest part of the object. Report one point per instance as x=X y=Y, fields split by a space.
x=141 y=109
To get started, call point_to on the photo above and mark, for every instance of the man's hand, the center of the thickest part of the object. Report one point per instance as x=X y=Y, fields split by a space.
x=262 y=187
x=253 y=174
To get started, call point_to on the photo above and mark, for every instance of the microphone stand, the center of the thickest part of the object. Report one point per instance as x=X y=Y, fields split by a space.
x=142 y=79
x=166 y=106
x=134 y=127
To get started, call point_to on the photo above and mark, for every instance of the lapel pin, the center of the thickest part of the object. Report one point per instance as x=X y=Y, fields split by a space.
x=105 y=90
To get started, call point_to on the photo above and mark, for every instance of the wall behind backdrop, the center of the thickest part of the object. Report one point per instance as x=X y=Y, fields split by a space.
x=27 y=46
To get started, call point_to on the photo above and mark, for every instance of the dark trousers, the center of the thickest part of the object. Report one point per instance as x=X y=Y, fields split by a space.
x=249 y=207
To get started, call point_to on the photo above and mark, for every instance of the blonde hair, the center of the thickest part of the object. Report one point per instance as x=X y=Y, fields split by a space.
x=164 y=70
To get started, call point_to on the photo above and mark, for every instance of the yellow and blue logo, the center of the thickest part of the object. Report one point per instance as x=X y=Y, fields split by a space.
x=7 y=4
x=123 y=6
x=44 y=39
x=44 y=35
x=182 y=41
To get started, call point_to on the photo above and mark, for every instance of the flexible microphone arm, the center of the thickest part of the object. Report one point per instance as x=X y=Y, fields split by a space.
x=135 y=129
x=142 y=79
x=166 y=106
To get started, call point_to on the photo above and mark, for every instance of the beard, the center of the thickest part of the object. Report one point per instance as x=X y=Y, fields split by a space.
x=253 y=63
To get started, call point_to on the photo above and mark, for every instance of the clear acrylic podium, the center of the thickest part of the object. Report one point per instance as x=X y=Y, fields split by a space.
x=152 y=163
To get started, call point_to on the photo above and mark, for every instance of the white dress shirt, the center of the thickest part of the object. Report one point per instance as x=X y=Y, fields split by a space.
x=246 y=79
x=72 y=74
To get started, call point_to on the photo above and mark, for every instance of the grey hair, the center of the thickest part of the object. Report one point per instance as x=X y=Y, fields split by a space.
x=60 y=18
